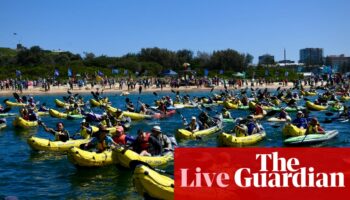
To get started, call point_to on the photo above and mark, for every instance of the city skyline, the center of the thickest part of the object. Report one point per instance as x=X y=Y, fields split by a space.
x=117 y=28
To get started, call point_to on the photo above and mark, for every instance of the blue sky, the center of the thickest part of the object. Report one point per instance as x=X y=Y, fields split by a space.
x=114 y=28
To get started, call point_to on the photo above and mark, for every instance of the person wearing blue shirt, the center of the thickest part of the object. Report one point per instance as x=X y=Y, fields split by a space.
x=300 y=121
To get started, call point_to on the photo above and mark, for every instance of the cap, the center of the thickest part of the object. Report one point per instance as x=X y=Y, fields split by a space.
x=84 y=120
x=193 y=117
x=250 y=117
x=157 y=129
x=120 y=129
x=104 y=114
x=300 y=112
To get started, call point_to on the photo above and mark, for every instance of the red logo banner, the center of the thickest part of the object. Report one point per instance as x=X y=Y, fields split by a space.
x=262 y=173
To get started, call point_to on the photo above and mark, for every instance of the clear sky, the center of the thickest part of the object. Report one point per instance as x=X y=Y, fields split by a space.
x=114 y=28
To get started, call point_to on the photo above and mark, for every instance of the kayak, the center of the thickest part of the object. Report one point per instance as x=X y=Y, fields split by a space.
x=149 y=183
x=243 y=107
x=276 y=102
x=20 y=122
x=231 y=140
x=311 y=138
x=42 y=113
x=7 y=114
x=276 y=119
x=186 y=105
x=168 y=113
x=345 y=98
x=13 y=104
x=315 y=107
x=132 y=115
x=290 y=130
x=60 y=103
x=2 y=126
x=185 y=134
x=306 y=93
x=336 y=108
x=57 y=114
x=96 y=103
x=127 y=158
x=252 y=106
x=229 y=105
x=84 y=158
x=42 y=144
x=228 y=120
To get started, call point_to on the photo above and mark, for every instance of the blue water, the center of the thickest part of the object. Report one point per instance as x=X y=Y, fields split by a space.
x=29 y=174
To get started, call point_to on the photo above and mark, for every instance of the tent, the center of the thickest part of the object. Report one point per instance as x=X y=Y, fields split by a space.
x=238 y=74
x=168 y=72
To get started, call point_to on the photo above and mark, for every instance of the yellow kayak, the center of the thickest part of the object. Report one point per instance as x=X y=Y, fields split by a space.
x=290 y=130
x=231 y=140
x=126 y=157
x=2 y=126
x=345 y=98
x=252 y=106
x=84 y=158
x=313 y=106
x=57 y=114
x=42 y=144
x=229 y=105
x=306 y=93
x=150 y=183
x=12 y=104
x=185 y=134
x=276 y=102
x=42 y=113
x=20 y=122
x=62 y=104
x=132 y=115
x=96 y=103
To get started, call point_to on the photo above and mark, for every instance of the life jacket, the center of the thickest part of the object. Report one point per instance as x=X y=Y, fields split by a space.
x=310 y=129
x=240 y=133
x=101 y=145
x=226 y=114
x=259 y=110
x=145 y=142
x=120 y=140
x=62 y=138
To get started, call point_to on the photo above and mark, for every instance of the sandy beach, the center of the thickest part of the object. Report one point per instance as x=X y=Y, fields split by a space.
x=115 y=89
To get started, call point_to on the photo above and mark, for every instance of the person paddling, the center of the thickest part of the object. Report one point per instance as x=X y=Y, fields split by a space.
x=101 y=142
x=314 y=127
x=60 y=133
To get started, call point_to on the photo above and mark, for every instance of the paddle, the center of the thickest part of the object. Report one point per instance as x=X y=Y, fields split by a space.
x=275 y=126
x=94 y=95
x=16 y=96
x=173 y=91
x=155 y=94
x=7 y=109
x=5 y=100
x=69 y=92
x=24 y=98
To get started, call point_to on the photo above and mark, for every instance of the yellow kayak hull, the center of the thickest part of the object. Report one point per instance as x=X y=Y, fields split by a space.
x=185 y=134
x=126 y=157
x=22 y=123
x=14 y=104
x=315 y=107
x=96 y=103
x=84 y=158
x=42 y=144
x=229 y=105
x=290 y=130
x=57 y=114
x=151 y=183
x=62 y=104
x=132 y=115
x=231 y=140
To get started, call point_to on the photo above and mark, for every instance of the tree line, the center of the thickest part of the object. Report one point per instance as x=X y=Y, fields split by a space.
x=148 y=61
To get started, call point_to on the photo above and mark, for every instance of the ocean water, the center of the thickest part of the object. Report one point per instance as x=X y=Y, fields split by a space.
x=28 y=174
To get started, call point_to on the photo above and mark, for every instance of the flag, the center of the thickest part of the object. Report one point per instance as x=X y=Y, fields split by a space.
x=221 y=71
x=56 y=73
x=125 y=71
x=206 y=72
x=100 y=73
x=286 y=74
x=18 y=73
x=14 y=33
x=69 y=72
x=266 y=72
x=115 y=71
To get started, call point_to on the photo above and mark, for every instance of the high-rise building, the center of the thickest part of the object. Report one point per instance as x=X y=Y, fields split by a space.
x=339 y=61
x=266 y=59
x=311 y=56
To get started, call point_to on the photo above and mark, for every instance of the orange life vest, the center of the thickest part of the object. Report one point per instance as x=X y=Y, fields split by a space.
x=144 y=142
x=120 y=139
